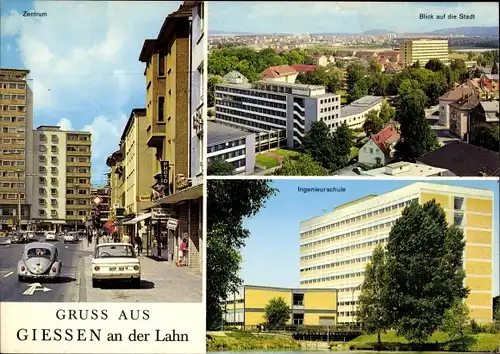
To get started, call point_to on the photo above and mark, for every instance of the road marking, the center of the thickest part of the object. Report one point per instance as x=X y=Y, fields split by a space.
x=34 y=287
x=6 y=275
x=66 y=247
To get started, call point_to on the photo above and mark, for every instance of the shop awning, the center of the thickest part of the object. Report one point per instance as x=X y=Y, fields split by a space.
x=194 y=192
x=137 y=219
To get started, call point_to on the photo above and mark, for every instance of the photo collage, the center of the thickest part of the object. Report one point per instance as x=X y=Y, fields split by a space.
x=155 y=157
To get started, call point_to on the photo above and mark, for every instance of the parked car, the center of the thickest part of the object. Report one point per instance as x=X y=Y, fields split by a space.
x=18 y=237
x=50 y=236
x=39 y=260
x=70 y=237
x=115 y=261
x=31 y=236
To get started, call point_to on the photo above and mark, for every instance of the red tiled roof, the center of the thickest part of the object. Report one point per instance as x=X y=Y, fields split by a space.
x=278 y=71
x=457 y=93
x=304 y=68
x=385 y=137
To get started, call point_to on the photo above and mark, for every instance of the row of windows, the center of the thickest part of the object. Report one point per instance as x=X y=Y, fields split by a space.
x=13 y=86
x=329 y=109
x=252 y=93
x=43 y=169
x=12 y=97
x=228 y=155
x=11 y=151
x=329 y=100
x=237 y=104
x=224 y=146
x=257 y=117
x=12 y=163
x=10 y=119
x=78 y=148
x=334 y=277
x=330 y=117
x=11 y=174
x=359 y=217
x=239 y=163
x=12 y=184
x=53 y=212
x=73 y=169
x=346 y=248
x=11 y=196
x=337 y=264
x=9 y=141
x=76 y=137
x=13 y=130
x=220 y=96
x=77 y=202
x=53 y=180
x=16 y=108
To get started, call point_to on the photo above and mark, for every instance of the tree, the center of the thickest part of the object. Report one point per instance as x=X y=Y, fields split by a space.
x=416 y=65
x=457 y=322
x=387 y=113
x=342 y=140
x=303 y=166
x=220 y=167
x=424 y=270
x=373 y=124
x=318 y=144
x=228 y=203
x=355 y=73
x=213 y=80
x=434 y=65
x=372 y=311
x=417 y=138
x=494 y=68
x=277 y=313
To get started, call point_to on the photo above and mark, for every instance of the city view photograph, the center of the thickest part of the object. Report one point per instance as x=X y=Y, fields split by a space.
x=353 y=89
x=100 y=199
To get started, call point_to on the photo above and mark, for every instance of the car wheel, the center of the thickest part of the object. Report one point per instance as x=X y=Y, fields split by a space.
x=95 y=283
x=20 y=278
x=136 y=282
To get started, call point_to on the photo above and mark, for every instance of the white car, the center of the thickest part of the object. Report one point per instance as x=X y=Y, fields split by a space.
x=115 y=261
x=70 y=237
x=50 y=236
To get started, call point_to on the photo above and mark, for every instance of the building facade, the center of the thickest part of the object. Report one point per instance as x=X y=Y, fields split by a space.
x=355 y=113
x=423 y=50
x=61 y=192
x=309 y=307
x=232 y=145
x=335 y=247
x=16 y=144
x=284 y=109
x=104 y=193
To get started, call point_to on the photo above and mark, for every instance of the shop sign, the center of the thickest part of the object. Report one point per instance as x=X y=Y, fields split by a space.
x=160 y=213
x=172 y=224
x=143 y=198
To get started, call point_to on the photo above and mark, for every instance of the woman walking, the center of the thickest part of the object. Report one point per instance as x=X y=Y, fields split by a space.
x=183 y=248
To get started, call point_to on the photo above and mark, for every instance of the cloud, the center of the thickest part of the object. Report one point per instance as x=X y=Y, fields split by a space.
x=86 y=69
x=65 y=124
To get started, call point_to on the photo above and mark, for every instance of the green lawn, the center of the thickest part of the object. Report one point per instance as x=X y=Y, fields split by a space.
x=456 y=55
x=286 y=153
x=266 y=161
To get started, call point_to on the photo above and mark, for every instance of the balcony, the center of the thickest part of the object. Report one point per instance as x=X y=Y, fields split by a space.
x=156 y=135
x=78 y=206
x=11 y=156
x=78 y=153
x=81 y=196
x=18 y=135
x=12 y=146
x=78 y=164
x=79 y=142
x=11 y=190
x=78 y=174
x=13 y=168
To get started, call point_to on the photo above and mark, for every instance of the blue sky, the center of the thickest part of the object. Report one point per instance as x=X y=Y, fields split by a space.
x=83 y=58
x=271 y=255
x=343 y=17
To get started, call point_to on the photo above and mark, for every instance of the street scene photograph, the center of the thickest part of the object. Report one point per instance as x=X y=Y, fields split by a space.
x=353 y=89
x=101 y=151
x=348 y=264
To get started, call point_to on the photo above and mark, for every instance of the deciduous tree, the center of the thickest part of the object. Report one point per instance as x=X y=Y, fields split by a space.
x=373 y=124
x=304 y=165
x=277 y=313
x=456 y=321
x=220 y=167
x=213 y=80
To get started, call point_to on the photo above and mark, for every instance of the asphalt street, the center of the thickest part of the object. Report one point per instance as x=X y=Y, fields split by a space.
x=65 y=289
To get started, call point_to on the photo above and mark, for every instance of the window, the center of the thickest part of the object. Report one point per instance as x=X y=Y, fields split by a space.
x=82 y=191
x=161 y=113
x=70 y=191
x=43 y=137
x=53 y=213
x=53 y=169
x=298 y=299
x=41 y=201
x=53 y=191
x=53 y=148
x=41 y=212
x=53 y=180
x=53 y=159
x=41 y=191
x=42 y=180
x=161 y=64
x=53 y=201
x=42 y=169
x=42 y=148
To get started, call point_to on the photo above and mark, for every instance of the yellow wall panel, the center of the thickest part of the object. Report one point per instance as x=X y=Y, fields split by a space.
x=320 y=300
x=479 y=205
x=478 y=268
x=479 y=299
x=259 y=298
x=483 y=284
x=478 y=252
x=476 y=220
x=443 y=200
x=254 y=318
x=478 y=236
x=481 y=315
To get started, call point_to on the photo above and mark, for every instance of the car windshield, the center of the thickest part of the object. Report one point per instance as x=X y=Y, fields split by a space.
x=115 y=251
x=38 y=252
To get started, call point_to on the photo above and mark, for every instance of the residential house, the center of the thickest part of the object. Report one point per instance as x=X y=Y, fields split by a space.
x=484 y=92
x=320 y=60
x=331 y=60
x=392 y=56
x=281 y=73
x=460 y=112
x=366 y=55
x=235 y=77
x=484 y=114
x=459 y=93
x=392 y=68
x=463 y=160
x=304 y=68
x=380 y=148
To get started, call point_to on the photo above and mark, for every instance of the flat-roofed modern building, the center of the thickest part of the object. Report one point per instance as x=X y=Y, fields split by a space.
x=335 y=247
x=354 y=114
x=423 y=50
x=308 y=307
x=232 y=145
x=278 y=113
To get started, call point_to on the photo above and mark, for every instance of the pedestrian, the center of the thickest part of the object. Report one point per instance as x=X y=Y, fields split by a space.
x=183 y=248
x=138 y=244
x=89 y=238
x=126 y=239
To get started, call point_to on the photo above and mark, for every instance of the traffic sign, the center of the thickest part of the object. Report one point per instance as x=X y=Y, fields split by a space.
x=97 y=200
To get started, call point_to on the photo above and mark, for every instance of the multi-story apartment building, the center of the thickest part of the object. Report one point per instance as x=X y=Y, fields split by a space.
x=335 y=247
x=232 y=145
x=245 y=308
x=61 y=191
x=274 y=107
x=16 y=144
x=423 y=50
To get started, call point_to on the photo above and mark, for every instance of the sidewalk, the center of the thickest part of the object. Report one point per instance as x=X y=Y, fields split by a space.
x=160 y=282
x=84 y=246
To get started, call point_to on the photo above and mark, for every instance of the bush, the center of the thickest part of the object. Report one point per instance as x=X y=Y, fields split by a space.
x=250 y=342
x=475 y=327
